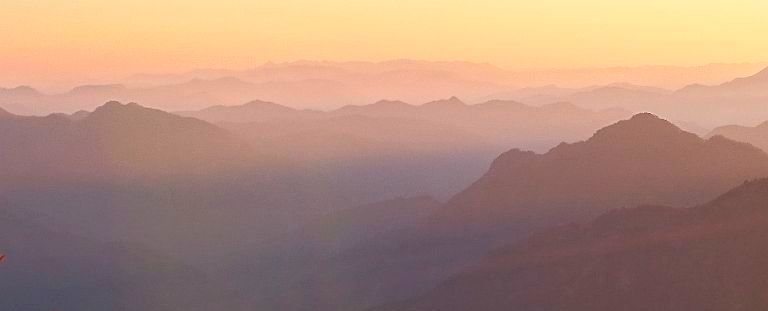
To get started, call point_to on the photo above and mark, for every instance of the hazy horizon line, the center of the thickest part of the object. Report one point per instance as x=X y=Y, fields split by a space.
x=65 y=85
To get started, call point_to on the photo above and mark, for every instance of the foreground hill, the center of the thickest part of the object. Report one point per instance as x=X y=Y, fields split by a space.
x=642 y=160
x=710 y=257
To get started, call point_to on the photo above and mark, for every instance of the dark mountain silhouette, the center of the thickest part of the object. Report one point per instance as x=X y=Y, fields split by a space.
x=757 y=135
x=643 y=160
x=710 y=257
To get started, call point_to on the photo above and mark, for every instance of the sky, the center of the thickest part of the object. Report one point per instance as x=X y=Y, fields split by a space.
x=98 y=39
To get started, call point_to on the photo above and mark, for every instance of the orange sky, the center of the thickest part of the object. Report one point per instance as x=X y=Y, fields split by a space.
x=46 y=40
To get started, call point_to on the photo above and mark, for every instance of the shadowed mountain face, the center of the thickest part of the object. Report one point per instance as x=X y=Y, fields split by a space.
x=642 y=160
x=756 y=136
x=709 y=257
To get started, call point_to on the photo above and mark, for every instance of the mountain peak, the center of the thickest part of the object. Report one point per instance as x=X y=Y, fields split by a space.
x=98 y=88
x=129 y=111
x=260 y=104
x=450 y=102
x=21 y=90
x=644 y=126
x=390 y=103
x=115 y=106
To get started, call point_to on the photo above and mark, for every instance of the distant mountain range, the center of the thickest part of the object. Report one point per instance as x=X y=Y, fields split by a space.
x=708 y=257
x=501 y=123
x=757 y=135
x=329 y=85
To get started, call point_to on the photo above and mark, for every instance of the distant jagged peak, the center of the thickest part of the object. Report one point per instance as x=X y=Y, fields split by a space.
x=391 y=103
x=643 y=124
x=255 y=105
x=502 y=103
x=98 y=88
x=115 y=110
x=114 y=106
x=562 y=105
x=758 y=79
x=222 y=81
x=451 y=102
x=21 y=90
x=381 y=105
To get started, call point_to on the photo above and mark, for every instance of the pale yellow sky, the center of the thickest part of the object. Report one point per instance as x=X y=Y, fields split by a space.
x=92 y=39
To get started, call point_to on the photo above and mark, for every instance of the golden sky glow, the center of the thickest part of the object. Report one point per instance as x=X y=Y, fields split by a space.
x=60 y=39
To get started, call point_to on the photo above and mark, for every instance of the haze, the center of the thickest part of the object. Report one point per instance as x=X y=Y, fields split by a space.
x=367 y=155
x=56 y=42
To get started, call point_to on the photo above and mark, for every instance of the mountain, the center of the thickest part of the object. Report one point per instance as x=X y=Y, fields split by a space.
x=642 y=160
x=757 y=135
x=708 y=257
x=753 y=85
x=253 y=111
x=506 y=123
x=392 y=148
x=129 y=173
x=707 y=105
x=739 y=101
x=118 y=139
